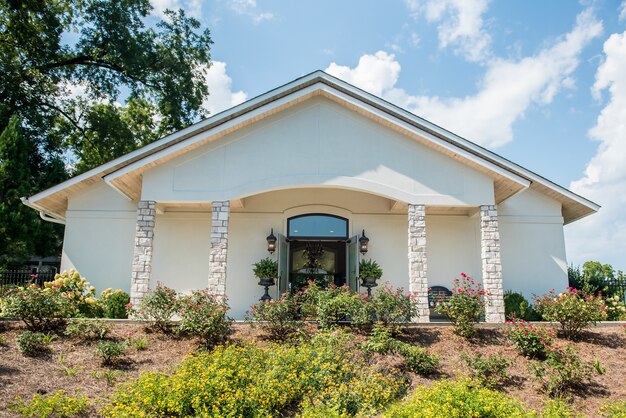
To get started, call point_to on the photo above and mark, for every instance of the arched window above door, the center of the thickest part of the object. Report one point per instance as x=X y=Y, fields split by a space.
x=317 y=226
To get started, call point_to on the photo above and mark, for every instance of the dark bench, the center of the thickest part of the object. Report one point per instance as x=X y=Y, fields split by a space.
x=437 y=294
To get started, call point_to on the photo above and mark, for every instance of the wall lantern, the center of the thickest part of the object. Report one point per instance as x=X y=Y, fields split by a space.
x=271 y=242
x=363 y=241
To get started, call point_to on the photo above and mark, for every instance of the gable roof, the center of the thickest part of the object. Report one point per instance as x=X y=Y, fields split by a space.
x=124 y=173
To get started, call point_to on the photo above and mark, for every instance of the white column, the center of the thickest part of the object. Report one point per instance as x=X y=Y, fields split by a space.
x=219 y=248
x=142 y=256
x=492 y=266
x=418 y=282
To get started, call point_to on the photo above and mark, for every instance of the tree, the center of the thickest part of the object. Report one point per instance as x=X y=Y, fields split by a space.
x=67 y=66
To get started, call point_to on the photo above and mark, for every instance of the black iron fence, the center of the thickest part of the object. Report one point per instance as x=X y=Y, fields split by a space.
x=12 y=278
x=616 y=287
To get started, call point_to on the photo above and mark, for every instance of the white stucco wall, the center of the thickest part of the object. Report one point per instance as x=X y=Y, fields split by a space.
x=317 y=143
x=99 y=237
x=532 y=244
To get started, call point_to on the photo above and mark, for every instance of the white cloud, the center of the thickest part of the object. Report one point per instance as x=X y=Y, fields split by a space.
x=221 y=97
x=622 y=11
x=602 y=236
x=249 y=8
x=508 y=88
x=460 y=25
x=192 y=8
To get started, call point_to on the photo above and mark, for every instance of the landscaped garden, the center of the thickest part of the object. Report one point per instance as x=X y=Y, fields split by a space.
x=321 y=352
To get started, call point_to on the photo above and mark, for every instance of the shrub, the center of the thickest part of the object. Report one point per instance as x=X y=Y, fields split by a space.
x=109 y=352
x=158 y=307
x=278 y=317
x=252 y=381
x=202 y=316
x=574 y=310
x=337 y=304
x=39 y=309
x=465 y=307
x=530 y=341
x=456 y=399
x=517 y=307
x=615 y=309
x=614 y=409
x=78 y=291
x=266 y=269
x=114 y=303
x=33 y=343
x=490 y=370
x=392 y=307
x=87 y=329
x=562 y=372
x=138 y=343
x=57 y=405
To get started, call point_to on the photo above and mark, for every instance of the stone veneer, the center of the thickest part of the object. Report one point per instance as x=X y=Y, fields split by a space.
x=492 y=266
x=418 y=282
x=142 y=256
x=219 y=248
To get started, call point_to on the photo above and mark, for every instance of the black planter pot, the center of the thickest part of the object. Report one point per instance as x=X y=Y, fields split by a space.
x=369 y=282
x=266 y=283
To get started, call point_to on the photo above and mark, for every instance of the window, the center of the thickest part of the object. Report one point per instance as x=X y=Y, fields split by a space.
x=317 y=226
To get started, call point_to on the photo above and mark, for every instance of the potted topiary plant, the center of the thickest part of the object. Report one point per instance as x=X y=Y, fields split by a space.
x=369 y=272
x=266 y=270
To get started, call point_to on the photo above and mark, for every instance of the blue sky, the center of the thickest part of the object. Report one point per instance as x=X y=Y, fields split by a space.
x=542 y=83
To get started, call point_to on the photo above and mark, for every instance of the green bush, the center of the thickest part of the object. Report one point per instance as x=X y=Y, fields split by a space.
x=574 y=310
x=279 y=318
x=531 y=341
x=39 y=309
x=490 y=370
x=517 y=307
x=114 y=303
x=87 y=329
x=109 y=352
x=33 y=343
x=615 y=309
x=392 y=307
x=465 y=307
x=57 y=405
x=457 y=399
x=563 y=372
x=78 y=291
x=370 y=269
x=250 y=381
x=336 y=304
x=158 y=308
x=614 y=409
x=266 y=269
x=203 y=316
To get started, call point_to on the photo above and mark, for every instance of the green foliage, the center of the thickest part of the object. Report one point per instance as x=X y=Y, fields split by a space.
x=457 y=399
x=57 y=405
x=111 y=376
x=78 y=291
x=87 y=329
x=32 y=344
x=563 y=372
x=138 y=343
x=114 y=303
x=465 y=307
x=370 y=269
x=337 y=304
x=392 y=307
x=614 y=409
x=574 y=310
x=203 y=316
x=39 y=309
x=416 y=358
x=531 y=341
x=266 y=269
x=615 y=309
x=517 y=307
x=258 y=382
x=279 y=318
x=109 y=352
x=490 y=370
x=158 y=308
x=559 y=408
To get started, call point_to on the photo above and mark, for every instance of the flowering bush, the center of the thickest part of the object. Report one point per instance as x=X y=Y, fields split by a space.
x=562 y=372
x=203 y=316
x=259 y=382
x=614 y=409
x=114 y=303
x=278 y=317
x=573 y=309
x=335 y=304
x=57 y=405
x=40 y=309
x=465 y=307
x=392 y=307
x=615 y=309
x=78 y=291
x=33 y=343
x=87 y=329
x=457 y=399
x=530 y=341
x=489 y=370
x=158 y=307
